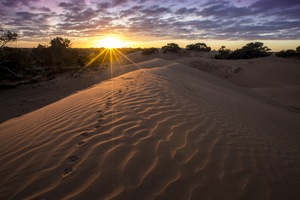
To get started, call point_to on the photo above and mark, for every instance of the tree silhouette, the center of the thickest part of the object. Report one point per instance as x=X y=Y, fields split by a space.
x=223 y=53
x=198 y=47
x=7 y=37
x=298 y=50
x=251 y=50
x=42 y=55
x=289 y=53
x=171 y=47
x=60 y=43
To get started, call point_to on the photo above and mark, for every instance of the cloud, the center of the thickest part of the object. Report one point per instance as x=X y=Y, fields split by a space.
x=223 y=9
x=181 y=11
x=169 y=19
x=44 y=9
x=16 y=3
x=72 y=6
x=155 y=10
x=26 y=15
x=119 y=2
x=103 y=5
x=280 y=8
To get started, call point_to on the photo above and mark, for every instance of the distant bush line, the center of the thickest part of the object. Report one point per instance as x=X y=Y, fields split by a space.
x=289 y=53
x=174 y=48
x=250 y=50
x=23 y=63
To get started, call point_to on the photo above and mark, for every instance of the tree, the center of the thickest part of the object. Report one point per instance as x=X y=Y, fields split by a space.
x=289 y=53
x=7 y=37
x=223 y=53
x=251 y=50
x=60 y=43
x=42 y=55
x=198 y=47
x=171 y=47
x=286 y=53
x=60 y=52
x=298 y=50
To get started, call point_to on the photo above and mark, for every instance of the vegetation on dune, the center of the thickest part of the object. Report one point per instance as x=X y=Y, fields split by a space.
x=149 y=51
x=7 y=37
x=223 y=53
x=198 y=47
x=289 y=53
x=171 y=47
x=251 y=50
x=40 y=63
x=44 y=61
x=58 y=55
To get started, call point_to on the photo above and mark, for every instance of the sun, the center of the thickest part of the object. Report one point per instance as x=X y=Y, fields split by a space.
x=110 y=43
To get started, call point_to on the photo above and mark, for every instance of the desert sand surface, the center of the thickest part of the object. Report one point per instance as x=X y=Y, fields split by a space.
x=187 y=127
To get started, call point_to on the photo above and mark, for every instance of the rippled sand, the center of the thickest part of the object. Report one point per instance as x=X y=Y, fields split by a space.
x=172 y=132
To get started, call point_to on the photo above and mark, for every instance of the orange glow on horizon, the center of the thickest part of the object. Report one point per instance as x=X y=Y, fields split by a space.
x=110 y=43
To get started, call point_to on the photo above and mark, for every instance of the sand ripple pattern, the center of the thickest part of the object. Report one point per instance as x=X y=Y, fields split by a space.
x=168 y=133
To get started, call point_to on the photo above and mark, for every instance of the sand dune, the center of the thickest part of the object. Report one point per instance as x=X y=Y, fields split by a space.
x=172 y=132
x=275 y=78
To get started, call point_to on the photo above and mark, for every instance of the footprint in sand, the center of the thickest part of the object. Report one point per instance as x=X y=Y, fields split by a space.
x=67 y=171
x=85 y=134
x=101 y=116
x=108 y=102
x=100 y=119
x=73 y=158
x=98 y=126
x=80 y=143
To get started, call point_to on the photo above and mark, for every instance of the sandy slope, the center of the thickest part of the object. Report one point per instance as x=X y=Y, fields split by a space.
x=172 y=132
x=272 y=77
x=276 y=79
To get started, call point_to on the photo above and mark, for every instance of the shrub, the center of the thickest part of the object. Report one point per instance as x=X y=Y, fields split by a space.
x=286 y=54
x=298 y=50
x=149 y=51
x=171 y=47
x=198 y=47
x=223 y=53
x=289 y=53
x=251 y=50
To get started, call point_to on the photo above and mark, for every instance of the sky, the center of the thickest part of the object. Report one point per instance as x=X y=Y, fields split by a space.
x=154 y=23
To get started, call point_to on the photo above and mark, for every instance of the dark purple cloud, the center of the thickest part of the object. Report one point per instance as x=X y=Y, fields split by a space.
x=119 y=2
x=16 y=3
x=103 y=5
x=44 y=9
x=155 y=10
